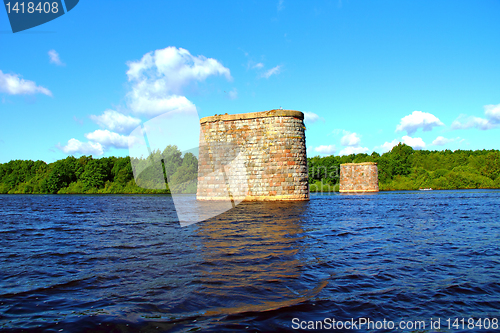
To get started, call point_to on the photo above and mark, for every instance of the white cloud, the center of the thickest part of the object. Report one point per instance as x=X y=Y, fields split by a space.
x=143 y=103
x=311 y=117
x=326 y=150
x=115 y=121
x=108 y=139
x=387 y=146
x=12 y=84
x=416 y=143
x=75 y=146
x=492 y=112
x=100 y=140
x=258 y=65
x=54 y=58
x=465 y=122
x=272 y=71
x=416 y=120
x=492 y=120
x=441 y=141
x=158 y=78
x=353 y=150
x=350 y=139
x=174 y=68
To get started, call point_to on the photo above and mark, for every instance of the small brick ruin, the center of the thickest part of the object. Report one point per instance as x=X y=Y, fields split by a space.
x=259 y=156
x=358 y=177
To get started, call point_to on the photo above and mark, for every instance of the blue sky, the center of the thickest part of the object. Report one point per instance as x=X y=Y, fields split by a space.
x=368 y=74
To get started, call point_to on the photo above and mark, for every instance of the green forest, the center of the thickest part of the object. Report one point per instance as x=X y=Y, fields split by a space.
x=403 y=168
x=104 y=175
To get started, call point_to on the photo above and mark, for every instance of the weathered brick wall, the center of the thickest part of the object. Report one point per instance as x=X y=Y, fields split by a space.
x=359 y=177
x=266 y=151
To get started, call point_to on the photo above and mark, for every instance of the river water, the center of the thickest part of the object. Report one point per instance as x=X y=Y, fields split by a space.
x=122 y=263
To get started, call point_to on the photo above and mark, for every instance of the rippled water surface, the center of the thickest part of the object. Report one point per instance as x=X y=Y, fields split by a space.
x=123 y=263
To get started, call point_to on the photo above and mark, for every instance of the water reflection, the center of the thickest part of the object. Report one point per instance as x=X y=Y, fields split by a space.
x=253 y=261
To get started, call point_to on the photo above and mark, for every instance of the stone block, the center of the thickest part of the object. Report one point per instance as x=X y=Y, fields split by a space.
x=272 y=144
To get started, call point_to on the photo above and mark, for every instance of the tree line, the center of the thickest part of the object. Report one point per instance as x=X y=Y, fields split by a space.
x=402 y=168
x=104 y=175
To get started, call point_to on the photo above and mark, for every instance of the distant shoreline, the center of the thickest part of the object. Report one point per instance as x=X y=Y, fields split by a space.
x=401 y=169
x=312 y=192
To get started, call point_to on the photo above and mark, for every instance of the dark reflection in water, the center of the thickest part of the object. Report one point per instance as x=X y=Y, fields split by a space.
x=123 y=263
x=253 y=259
